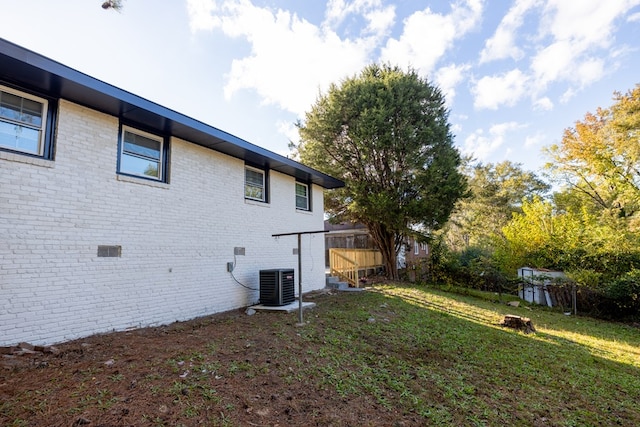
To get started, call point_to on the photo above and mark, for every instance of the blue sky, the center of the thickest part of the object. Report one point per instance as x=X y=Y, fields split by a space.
x=515 y=73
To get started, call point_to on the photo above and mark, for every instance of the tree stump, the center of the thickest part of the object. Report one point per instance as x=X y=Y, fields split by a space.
x=520 y=323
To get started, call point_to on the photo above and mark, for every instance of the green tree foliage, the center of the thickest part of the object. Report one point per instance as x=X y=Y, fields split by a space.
x=538 y=236
x=386 y=133
x=595 y=254
x=599 y=159
x=542 y=236
x=496 y=191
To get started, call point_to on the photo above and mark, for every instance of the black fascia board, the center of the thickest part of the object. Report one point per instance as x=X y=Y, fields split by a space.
x=25 y=68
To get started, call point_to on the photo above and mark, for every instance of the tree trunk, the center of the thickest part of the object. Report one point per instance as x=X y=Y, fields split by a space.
x=385 y=241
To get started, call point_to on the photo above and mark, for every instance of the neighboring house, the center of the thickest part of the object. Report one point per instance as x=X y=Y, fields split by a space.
x=414 y=252
x=118 y=213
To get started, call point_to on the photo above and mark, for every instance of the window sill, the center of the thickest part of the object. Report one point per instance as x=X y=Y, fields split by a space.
x=15 y=157
x=304 y=211
x=256 y=203
x=142 y=181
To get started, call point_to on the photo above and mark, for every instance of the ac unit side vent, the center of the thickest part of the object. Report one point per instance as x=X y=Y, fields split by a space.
x=277 y=287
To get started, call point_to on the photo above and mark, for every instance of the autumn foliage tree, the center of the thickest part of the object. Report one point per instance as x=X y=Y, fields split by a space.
x=386 y=133
x=599 y=158
x=591 y=228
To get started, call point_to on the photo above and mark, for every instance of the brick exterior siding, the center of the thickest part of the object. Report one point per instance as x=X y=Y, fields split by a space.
x=176 y=239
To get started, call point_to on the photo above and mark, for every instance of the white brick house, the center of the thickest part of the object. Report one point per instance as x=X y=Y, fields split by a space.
x=117 y=213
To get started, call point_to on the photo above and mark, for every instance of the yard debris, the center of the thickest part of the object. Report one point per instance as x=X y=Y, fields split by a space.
x=520 y=323
x=514 y=303
x=27 y=349
x=250 y=312
x=11 y=355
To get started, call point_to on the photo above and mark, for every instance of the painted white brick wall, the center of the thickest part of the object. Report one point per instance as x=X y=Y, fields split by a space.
x=176 y=238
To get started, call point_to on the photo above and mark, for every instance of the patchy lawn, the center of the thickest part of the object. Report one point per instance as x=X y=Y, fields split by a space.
x=393 y=356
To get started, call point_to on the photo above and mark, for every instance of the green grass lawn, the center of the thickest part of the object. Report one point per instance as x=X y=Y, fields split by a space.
x=446 y=358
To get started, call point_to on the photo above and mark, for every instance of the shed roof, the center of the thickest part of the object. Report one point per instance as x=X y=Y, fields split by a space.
x=28 y=69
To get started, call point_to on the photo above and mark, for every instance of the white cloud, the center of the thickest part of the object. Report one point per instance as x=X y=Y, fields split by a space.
x=536 y=140
x=447 y=78
x=543 y=104
x=567 y=95
x=427 y=36
x=502 y=44
x=291 y=59
x=379 y=18
x=587 y=23
x=580 y=30
x=290 y=130
x=553 y=62
x=482 y=146
x=493 y=91
x=634 y=17
x=201 y=16
x=589 y=71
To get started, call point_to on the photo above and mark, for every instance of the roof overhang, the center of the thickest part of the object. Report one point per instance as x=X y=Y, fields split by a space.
x=28 y=69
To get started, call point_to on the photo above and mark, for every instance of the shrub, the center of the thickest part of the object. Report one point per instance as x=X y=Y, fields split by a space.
x=625 y=292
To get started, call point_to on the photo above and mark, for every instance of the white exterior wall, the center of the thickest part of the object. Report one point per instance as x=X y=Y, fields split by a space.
x=176 y=238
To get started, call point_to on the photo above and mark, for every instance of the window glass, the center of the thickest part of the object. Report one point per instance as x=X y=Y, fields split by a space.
x=302 y=196
x=19 y=138
x=10 y=106
x=141 y=154
x=141 y=146
x=31 y=112
x=21 y=122
x=254 y=184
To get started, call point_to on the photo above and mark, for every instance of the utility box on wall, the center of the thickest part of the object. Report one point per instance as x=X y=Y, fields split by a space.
x=277 y=287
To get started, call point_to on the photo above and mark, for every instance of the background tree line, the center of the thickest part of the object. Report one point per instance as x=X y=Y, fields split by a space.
x=386 y=133
x=589 y=227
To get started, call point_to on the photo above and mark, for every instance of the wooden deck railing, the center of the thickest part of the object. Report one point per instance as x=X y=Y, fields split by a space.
x=347 y=263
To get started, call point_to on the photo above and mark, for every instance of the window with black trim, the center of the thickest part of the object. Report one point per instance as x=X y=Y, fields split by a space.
x=302 y=197
x=142 y=154
x=255 y=184
x=26 y=123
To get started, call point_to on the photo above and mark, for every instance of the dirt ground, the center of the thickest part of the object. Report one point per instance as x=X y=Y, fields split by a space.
x=229 y=369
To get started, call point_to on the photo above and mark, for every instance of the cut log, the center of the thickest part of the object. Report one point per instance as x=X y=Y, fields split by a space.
x=520 y=323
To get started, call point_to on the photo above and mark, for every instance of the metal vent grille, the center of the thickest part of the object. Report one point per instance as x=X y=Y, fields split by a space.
x=109 y=251
x=277 y=287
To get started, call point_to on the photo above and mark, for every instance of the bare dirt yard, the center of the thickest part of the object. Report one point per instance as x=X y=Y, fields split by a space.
x=226 y=369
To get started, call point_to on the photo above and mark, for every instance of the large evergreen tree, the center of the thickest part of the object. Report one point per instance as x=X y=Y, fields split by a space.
x=386 y=133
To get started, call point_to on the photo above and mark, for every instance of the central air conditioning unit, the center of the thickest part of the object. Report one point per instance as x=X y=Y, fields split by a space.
x=277 y=287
